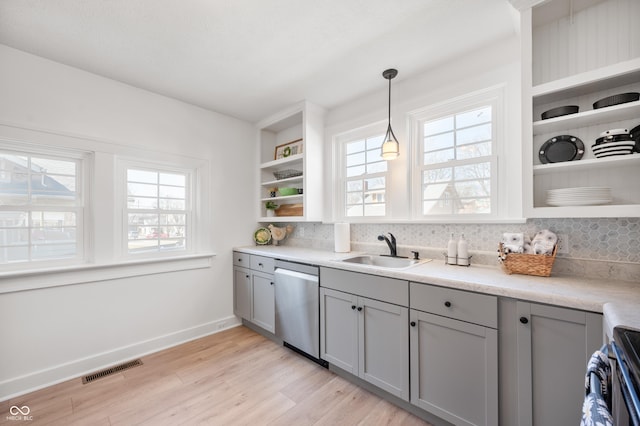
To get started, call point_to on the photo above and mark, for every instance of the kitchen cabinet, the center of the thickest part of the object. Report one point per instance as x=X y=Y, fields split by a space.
x=546 y=379
x=297 y=166
x=363 y=333
x=253 y=289
x=454 y=354
x=594 y=65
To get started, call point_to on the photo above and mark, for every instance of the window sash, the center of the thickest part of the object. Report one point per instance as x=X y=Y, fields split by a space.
x=161 y=211
x=55 y=193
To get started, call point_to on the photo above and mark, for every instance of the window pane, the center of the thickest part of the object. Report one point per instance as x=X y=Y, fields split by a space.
x=474 y=150
x=172 y=179
x=475 y=206
x=437 y=157
x=473 y=171
x=379 y=167
x=356 y=146
x=374 y=156
x=173 y=219
x=355 y=171
x=13 y=236
x=52 y=219
x=437 y=175
x=473 y=188
x=142 y=203
x=172 y=192
x=51 y=166
x=166 y=204
x=142 y=189
x=356 y=210
x=15 y=253
x=478 y=116
x=52 y=251
x=375 y=143
x=474 y=134
x=354 y=185
x=433 y=143
x=142 y=176
x=355 y=159
x=438 y=126
x=354 y=197
x=375 y=183
x=374 y=210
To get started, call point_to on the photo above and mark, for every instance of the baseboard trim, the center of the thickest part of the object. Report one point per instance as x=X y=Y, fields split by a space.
x=17 y=386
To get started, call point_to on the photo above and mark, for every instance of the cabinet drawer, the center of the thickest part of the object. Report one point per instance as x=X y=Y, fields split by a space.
x=372 y=286
x=462 y=305
x=241 y=259
x=263 y=264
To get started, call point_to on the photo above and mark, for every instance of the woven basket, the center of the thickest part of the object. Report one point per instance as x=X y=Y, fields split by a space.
x=527 y=264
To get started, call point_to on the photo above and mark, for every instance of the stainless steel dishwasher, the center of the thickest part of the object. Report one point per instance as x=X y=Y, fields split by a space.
x=298 y=308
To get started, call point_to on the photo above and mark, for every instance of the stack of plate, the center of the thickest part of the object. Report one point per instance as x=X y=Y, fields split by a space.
x=587 y=196
x=613 y=142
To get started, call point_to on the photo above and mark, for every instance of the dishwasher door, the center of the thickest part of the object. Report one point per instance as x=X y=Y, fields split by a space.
x=298 y=310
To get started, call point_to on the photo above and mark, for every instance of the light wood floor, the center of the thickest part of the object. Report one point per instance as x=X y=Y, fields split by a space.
x=236 y=377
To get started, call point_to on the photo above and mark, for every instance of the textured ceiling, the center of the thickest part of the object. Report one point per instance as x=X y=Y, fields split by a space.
x=250 y=58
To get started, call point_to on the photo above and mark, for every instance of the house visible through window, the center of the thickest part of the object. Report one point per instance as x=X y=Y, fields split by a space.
x=157 y=210
x=365 y=178
x=41 y=207
x=457 y=157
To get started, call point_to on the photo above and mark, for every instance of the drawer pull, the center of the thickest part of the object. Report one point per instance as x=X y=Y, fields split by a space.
x=260 y=265
x=359 y=308
x=271 y=283
x=353 y=307
x=246 y=276
x=447 y=304
x=240 y=260
x=413 y=323
x=524 y=320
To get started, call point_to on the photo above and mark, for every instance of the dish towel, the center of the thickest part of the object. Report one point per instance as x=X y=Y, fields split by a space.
x=513 y=242
x=543 y=242
x=595 y=409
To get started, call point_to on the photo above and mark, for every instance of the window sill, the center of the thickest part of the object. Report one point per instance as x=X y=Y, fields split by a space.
x=31 y=279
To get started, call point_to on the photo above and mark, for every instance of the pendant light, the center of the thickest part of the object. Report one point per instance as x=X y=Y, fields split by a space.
x=390 y=148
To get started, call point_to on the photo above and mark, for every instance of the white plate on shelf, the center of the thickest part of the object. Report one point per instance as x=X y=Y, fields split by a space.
x=584 y=196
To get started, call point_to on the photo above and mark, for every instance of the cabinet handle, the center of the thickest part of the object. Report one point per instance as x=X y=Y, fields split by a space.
x=447 y=304
x=239 y=260
x=271 y=283
x=524 y=320
x=359 y=308
x=246 y=276
x=260 y=265
x=413 y=323
x=353 y=307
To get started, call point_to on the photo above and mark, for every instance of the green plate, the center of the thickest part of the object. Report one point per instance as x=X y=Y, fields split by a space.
x=262 y=236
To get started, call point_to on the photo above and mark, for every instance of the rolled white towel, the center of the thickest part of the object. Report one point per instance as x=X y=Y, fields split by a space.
x=513 y=242
x=543 y=242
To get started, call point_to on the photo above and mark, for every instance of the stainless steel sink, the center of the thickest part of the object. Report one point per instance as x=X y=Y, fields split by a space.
x=384 y=261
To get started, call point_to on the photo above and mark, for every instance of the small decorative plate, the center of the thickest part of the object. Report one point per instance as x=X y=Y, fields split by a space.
x=262 y=236
x=561 y=148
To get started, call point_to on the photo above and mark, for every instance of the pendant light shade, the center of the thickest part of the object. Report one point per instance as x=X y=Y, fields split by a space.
x=390 y=147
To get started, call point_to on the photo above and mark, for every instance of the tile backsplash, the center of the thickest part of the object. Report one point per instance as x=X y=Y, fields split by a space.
x=600 y=248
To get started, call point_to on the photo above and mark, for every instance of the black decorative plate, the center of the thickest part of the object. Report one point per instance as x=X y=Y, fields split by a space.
x=635 y=135
x=561 y=148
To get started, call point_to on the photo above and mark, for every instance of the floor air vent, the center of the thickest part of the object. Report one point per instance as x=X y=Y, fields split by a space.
x=111 y=370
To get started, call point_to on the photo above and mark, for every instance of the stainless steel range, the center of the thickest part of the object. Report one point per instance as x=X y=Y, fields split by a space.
x=625 y=404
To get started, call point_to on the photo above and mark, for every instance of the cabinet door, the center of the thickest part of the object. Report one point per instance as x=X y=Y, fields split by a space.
x=339 y=329
x=263 y=311
x=554 y=345
x=384 y=345
x=454 y=368
x=242 y=293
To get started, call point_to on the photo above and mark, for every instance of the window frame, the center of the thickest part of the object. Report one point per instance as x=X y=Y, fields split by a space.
x=82 y=208
x=122 y=227
x=340 y=142
x=493 y=97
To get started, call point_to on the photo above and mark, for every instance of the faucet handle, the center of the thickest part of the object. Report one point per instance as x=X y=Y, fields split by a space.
x=416 y=255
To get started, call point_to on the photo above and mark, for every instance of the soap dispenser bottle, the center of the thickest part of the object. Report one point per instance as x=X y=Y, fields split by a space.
x=463 y=252
x=452 y=251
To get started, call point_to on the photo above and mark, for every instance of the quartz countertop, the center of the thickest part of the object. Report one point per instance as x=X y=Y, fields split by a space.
x=619 y=301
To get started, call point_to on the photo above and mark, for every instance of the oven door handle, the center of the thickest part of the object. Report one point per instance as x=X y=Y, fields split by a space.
x=629 y=394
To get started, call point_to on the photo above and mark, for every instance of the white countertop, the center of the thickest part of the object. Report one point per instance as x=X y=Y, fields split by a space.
x=619 y=301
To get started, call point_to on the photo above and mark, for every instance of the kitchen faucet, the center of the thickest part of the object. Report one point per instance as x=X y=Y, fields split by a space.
x=391 y=243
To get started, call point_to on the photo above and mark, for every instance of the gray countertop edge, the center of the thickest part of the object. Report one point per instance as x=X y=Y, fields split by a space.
x=619 y=301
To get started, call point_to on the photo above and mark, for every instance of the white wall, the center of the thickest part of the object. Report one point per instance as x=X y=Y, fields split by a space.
x=51 y=334
x=496 y=64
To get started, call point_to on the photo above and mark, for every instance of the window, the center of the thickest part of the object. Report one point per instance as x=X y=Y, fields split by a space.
x=41 y=207
x=157 y=210
x=365 y=177
x=456 y=158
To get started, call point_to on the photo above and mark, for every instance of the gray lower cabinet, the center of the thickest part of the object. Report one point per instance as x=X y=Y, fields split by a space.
x=553 y=347
x=367 y=338
x=253 y=290
x=454 y=361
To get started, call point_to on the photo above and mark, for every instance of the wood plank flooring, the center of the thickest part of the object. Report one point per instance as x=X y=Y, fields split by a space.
x=236 y=377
